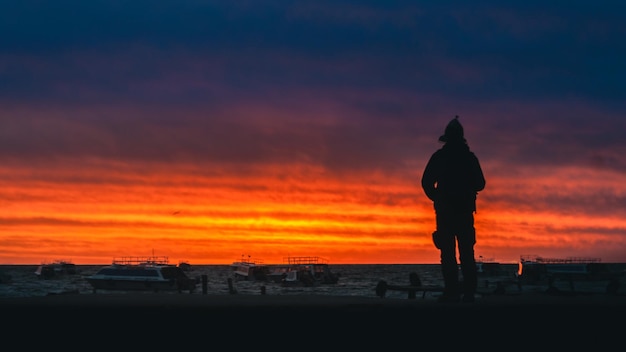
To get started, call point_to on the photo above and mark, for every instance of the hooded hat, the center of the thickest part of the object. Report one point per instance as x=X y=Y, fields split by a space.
x=454 y=131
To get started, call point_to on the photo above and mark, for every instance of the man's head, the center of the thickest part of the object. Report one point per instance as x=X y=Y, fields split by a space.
x=453 y=132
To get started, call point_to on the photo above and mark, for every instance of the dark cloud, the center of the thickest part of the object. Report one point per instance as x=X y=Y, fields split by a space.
x=111 y=51
x=344 y=84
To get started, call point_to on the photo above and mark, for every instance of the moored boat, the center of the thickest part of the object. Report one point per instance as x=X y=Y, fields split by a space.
x=248 y=269
x=280 y=273
x=152 y=273
x=488 y=267
x=55 y=269
x=303 y=271
x=536 y=268
x=184 y=265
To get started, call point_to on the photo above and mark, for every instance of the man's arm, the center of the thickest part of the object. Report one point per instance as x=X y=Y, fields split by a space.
x=429 y=180
x=479 y=177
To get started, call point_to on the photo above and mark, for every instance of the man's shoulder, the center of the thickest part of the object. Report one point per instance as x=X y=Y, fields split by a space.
x=438 y=154
x=454 y=150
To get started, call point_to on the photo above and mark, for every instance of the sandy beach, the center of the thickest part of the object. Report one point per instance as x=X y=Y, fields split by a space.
x=520 y=320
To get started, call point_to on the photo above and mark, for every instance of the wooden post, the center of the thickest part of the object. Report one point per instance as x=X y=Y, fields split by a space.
x=231 y=289
x=204 y=284
x=415 y=281
x=381 y=288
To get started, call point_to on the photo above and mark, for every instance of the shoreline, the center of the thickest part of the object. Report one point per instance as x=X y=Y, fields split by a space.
x=525 y=316
x=185 y=299
x=528 y=319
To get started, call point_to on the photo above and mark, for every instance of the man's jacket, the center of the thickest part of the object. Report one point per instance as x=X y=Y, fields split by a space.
x=452 y=178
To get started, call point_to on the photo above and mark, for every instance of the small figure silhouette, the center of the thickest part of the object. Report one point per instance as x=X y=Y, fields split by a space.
x=452 y=179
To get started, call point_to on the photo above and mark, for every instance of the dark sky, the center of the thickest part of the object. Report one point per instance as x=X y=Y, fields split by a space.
x=532 y=70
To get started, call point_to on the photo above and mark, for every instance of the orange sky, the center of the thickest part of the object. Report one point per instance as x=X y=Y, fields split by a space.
x=91 y=212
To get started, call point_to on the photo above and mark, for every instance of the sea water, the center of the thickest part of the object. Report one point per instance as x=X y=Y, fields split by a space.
x=354 y=280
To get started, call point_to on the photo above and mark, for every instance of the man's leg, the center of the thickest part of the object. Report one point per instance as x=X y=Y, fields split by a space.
x=449 y=264
x=467 y=240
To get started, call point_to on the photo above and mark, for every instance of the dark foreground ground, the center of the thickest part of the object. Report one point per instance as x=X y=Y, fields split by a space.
x=235 y=322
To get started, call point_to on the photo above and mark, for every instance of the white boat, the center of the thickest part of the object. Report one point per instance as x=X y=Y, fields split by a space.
x=248 y=269
x=536 y=268
x=152 y=273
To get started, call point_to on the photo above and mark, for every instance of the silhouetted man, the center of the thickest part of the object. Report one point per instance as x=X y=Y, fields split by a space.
x=452 y=179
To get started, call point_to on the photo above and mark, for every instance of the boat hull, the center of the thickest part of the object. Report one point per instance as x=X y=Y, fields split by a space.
x=138 y=285
x=151 y=277
x=297 y=271
x=250 y=271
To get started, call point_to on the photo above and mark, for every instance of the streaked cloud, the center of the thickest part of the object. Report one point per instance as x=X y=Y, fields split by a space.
x=208 y=127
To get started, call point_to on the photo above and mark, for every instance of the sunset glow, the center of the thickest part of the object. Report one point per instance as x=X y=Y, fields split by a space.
x=304 y=131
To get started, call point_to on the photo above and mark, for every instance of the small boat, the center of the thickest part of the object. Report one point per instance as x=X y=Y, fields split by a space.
x=152 y=273
x=56 y=269
x=248 y=269
x=184 y=265
x=303 y=271
x=488 y=266
x=281 y=273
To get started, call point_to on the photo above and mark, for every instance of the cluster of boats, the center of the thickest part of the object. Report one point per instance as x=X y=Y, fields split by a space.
x=295 y=271
x=155 y=273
